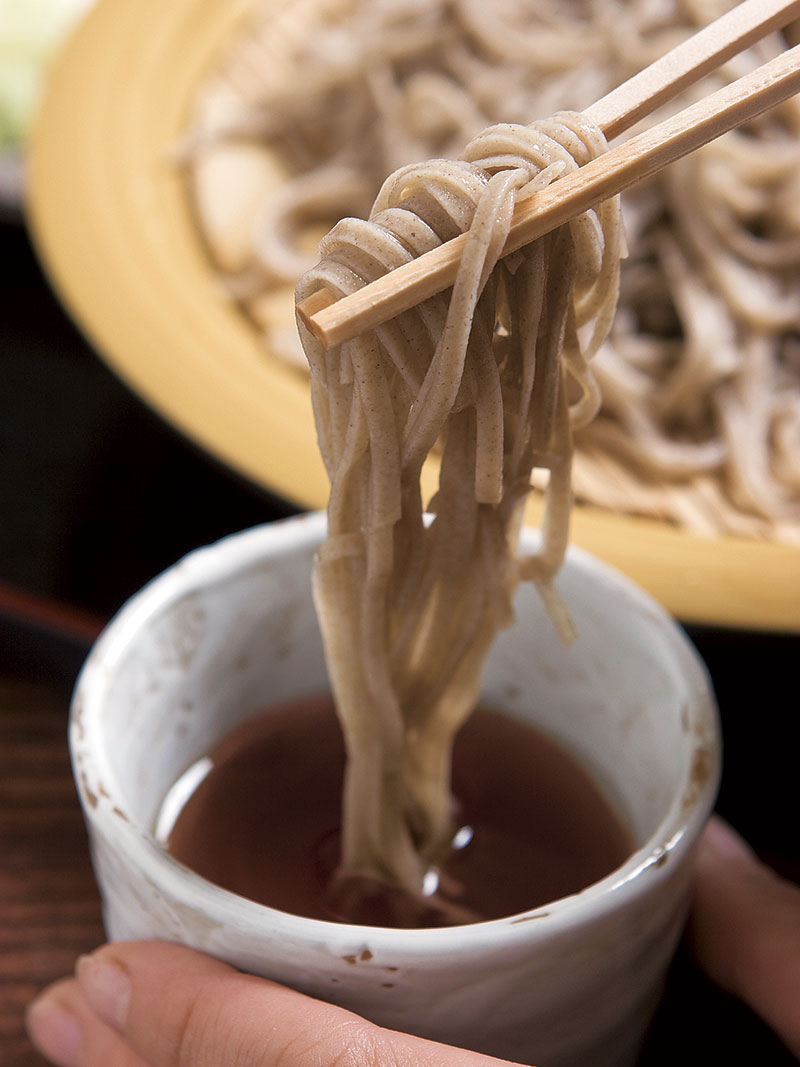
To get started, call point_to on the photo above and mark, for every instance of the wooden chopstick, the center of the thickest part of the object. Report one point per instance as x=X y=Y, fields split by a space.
x=688 y=62
x=334 y=321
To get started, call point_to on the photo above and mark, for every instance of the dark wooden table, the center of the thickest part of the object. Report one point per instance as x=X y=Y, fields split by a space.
x=49 y=904
x=50 y=908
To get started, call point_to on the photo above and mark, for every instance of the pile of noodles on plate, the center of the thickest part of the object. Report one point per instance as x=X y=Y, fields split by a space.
x=700 y=376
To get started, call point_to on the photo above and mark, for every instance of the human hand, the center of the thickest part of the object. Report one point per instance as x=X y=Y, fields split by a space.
x=745 y=930
x=152 y=1004
x=149 y=1004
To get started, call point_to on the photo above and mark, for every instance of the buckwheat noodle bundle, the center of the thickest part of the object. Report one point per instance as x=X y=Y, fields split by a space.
x=495 y=373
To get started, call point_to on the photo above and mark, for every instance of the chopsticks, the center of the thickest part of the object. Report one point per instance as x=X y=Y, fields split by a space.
x=334 y=321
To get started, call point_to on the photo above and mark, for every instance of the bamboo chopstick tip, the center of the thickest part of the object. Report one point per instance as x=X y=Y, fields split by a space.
x=308 y=309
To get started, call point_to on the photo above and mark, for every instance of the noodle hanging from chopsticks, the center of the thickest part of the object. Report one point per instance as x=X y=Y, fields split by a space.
x=496 y=374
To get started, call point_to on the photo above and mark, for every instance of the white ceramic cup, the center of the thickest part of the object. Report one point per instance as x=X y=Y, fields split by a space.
x=231 y=629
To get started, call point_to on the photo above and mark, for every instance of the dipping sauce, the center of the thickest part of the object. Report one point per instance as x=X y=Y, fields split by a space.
x=260 y=816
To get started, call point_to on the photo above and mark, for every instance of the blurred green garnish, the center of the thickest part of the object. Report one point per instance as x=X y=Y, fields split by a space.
x=30 y=32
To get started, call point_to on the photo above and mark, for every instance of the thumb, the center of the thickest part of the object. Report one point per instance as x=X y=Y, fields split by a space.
x=745 y=930
x=174 y=1007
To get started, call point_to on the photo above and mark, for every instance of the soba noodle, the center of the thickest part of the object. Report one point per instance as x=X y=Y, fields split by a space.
x=496 y=372
x=700 y=376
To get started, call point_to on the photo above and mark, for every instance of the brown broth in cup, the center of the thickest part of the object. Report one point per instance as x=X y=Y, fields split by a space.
x=532 y=825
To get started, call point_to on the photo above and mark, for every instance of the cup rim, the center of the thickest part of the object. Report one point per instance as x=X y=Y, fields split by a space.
x=675 y=835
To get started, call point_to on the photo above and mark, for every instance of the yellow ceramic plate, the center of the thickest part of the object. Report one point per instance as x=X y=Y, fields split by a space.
x=112 y=222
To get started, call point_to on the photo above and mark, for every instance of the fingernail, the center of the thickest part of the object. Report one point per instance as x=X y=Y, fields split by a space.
x=55 y=1032
x=107 y=988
